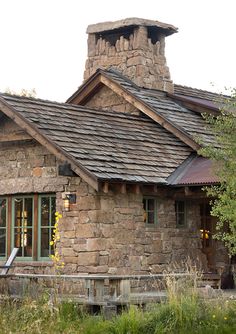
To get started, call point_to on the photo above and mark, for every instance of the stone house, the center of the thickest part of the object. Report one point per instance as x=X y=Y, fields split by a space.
x=118 y=160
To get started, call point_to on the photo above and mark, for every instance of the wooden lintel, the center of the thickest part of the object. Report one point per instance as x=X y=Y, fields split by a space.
x=123 y=188
x=147 y=110
x=33 y=131
x=105 y=187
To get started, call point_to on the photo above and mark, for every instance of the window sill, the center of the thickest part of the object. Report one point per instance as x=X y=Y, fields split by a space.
x=33 y=264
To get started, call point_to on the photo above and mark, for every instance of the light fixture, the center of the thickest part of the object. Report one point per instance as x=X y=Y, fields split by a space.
x=67 y=200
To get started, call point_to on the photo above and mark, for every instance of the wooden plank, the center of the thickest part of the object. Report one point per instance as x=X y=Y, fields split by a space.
x=10 y=260
x=147 y=110
x=14 y=137
x=32 y=130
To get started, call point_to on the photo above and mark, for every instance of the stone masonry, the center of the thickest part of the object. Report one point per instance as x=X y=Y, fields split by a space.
x=103 y=232
x=135 y=47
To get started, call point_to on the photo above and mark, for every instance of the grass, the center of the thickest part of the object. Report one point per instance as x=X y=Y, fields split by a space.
x=183 y=312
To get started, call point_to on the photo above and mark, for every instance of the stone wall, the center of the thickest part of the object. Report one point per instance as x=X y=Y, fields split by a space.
x=106 y=233
x=102 y=232
x=106 y=99
x=28 y=168
x=134 y=53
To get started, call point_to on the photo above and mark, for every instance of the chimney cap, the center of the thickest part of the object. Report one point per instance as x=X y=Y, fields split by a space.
x=166 y=28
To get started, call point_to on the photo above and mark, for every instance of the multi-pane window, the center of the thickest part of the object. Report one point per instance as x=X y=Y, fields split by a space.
x=32 y=219
x=150 y=210
x=47 y=220
x=180 y=212
x=23 y=225
x=3 y=226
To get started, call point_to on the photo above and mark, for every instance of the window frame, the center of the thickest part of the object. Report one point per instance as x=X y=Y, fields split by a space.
x=12 y=241
x=50 y=227
x=181 y=212
x=146 y=198
x=36 y=225
x=5 y=228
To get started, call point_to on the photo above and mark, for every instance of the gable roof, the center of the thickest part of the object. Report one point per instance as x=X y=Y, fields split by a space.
x=100 y=145
x=184 y=123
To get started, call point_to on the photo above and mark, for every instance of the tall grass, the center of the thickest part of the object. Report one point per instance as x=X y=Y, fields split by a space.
x=184 y=311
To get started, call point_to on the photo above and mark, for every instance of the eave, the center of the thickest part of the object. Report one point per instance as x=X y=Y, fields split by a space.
x=35 y=133
x=198 y=107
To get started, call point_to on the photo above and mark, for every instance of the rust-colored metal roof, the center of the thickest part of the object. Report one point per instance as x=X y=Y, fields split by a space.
x=194 y=171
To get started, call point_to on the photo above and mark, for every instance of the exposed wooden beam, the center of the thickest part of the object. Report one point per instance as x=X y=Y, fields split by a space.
x=32 y=130
x=105 y=187
x=137 y=189
x=155 y=188
x=123 y=188
x=14 y=137
x=147 y=110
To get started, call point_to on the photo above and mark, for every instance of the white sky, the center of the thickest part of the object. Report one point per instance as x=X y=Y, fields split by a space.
x=44 y=42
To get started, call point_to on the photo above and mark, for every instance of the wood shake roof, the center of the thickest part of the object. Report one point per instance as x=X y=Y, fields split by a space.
x=112 y=146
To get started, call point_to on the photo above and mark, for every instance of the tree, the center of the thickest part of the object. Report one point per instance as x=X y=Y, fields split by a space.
x=23 y=92
x=223 y=155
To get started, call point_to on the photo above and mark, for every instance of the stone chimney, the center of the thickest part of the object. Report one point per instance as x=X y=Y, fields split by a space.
x=135 y=47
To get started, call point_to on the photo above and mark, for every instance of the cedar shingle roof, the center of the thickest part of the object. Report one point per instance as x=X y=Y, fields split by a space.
x=188 y=121
x=113 y=146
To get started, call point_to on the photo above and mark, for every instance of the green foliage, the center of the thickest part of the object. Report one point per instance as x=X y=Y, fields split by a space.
x=23 y=92
x=223 y=155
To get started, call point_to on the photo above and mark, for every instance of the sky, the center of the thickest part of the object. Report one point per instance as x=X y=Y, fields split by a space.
x=44 y=42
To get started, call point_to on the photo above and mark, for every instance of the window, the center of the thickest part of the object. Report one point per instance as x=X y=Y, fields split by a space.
x=23 y=225
x=47 y=220
x=27 y=222
x=180 y=212
x=150 y=211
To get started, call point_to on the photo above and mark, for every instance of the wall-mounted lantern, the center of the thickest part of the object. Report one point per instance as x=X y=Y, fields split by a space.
x=68 y=200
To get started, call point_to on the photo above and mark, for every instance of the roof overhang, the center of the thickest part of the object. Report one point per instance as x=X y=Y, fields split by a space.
x=35 y=133
x=194 y=171
x=196 y=104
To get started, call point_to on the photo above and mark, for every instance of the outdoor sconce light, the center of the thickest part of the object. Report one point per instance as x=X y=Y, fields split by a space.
x=67 y=200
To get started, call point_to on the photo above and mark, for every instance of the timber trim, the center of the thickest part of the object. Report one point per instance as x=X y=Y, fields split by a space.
x=32 y=130
x=194 y=105
x=87 y=90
